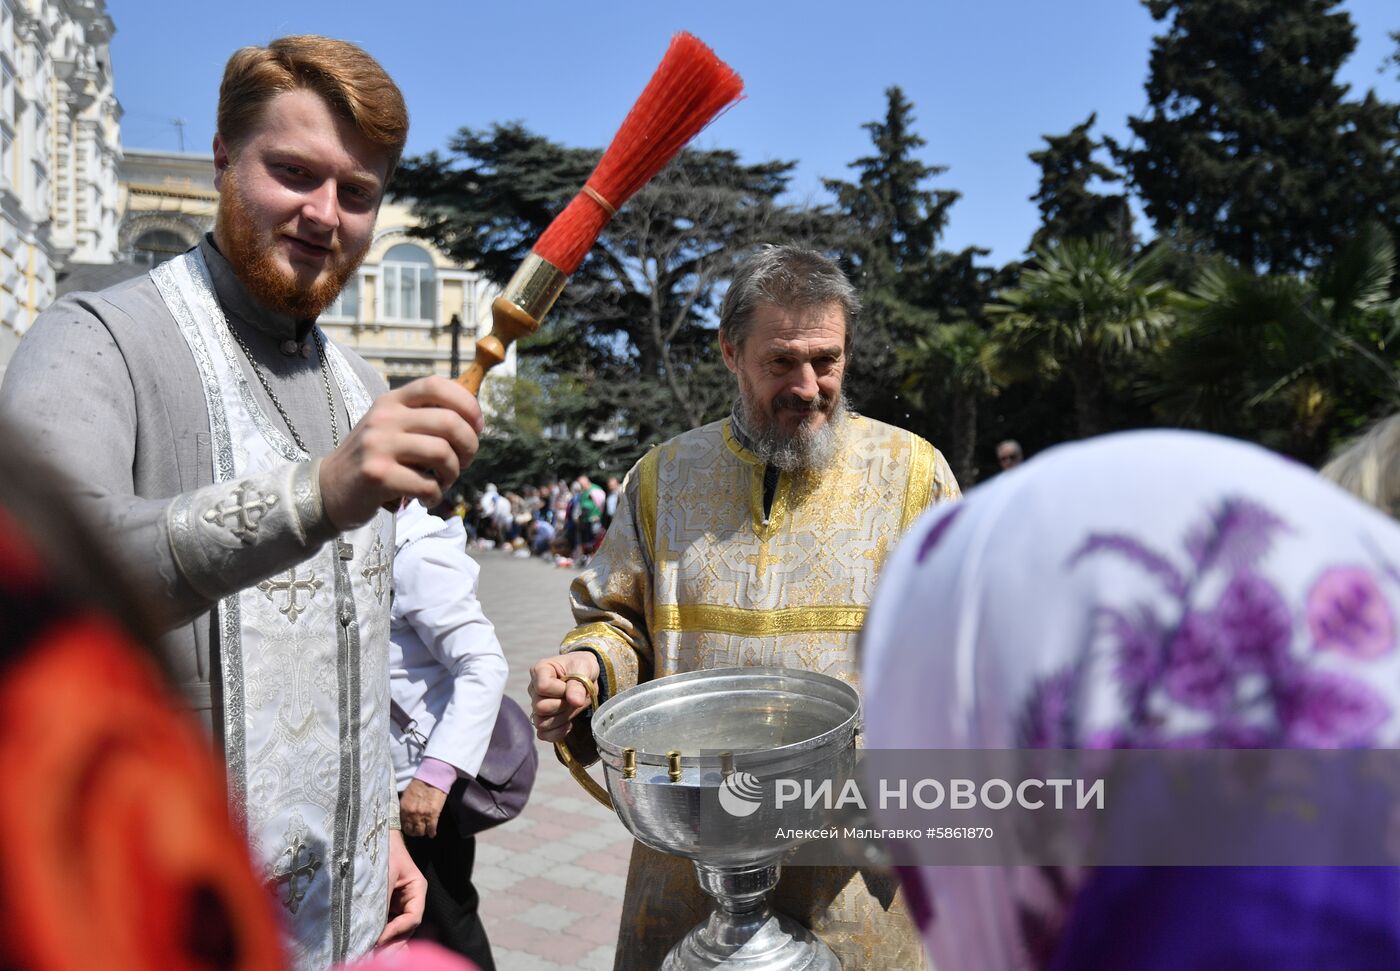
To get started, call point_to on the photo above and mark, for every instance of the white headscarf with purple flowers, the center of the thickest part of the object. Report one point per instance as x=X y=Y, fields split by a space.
x=1150 y=589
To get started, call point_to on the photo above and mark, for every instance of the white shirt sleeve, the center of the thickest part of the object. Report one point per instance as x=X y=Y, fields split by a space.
x=436 y=594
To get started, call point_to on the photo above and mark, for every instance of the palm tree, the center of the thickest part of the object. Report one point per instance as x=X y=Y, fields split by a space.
x=945 y=369
x=1293 y=362
x=1085 y=309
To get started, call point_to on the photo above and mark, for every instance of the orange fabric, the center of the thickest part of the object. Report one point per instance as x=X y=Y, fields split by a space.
x=116 y=850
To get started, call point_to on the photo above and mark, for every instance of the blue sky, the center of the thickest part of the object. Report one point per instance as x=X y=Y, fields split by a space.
x=987 y=79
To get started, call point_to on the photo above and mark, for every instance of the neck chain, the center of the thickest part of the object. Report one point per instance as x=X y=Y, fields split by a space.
x=325 y=380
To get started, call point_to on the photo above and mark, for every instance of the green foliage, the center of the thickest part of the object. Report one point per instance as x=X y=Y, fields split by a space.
x=638 y=316
x=1296 y=363
x=894 y=221
x=888 y=206
x=1266 y=306
x=1088 y=309
x=915 y=358
x=945 y=369
x=1249 y=141
x=1069 y=209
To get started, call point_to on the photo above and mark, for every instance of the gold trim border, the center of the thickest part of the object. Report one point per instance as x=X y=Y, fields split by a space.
x=646 y=499
x=535 y=286
x=920 y=488
x=712 y=618
x=727 y=433
x=597 y=637
x=598 y=629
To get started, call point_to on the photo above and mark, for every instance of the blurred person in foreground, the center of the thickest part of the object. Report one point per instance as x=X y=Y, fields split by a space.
x=447 y=675
x=755 y=540
x=241 y=461
x=118 y=849
x=1191 y=592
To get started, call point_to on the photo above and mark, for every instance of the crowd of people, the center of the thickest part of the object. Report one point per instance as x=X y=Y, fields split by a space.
x=563 y=521
x=219 y=510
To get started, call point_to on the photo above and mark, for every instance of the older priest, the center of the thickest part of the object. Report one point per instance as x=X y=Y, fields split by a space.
x=755 y=540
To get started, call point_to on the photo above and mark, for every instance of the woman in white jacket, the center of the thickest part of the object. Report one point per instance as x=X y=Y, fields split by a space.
x=447 y=675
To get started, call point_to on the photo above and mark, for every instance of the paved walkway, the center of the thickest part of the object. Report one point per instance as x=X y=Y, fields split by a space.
x=551 y=881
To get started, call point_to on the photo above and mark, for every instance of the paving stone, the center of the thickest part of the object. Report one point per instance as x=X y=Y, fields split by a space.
x=549 y=917
x=504 y=904
x=531 y=865
x=572 y=876
x=598 y=959
x=601 y=932
x=605 y=862
x=490 y=852
x=493 y=878
x=510 y=960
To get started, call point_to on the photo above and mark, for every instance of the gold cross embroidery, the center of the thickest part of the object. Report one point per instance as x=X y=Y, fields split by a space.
x=759 y=561
x=246 y=508
x=291 y=586
x=876 y=556
x=868 y=939
x=902 y=442
x=299 y=872
x=376 y=569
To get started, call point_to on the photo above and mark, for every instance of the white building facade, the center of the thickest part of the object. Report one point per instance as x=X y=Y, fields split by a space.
x=60 y=145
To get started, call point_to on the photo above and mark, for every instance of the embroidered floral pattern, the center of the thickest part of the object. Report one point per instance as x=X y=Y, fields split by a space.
x=1320 y=709
x=1229 y=660
x=1256 y=622
x=1047 y=723
x=1348 y=614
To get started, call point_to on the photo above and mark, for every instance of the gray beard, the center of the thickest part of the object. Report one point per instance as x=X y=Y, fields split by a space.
x=805 y=451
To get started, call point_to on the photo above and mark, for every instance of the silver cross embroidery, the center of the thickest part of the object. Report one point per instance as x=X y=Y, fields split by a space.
x=291 y=586
x=376 y=570
x=300 y=869
x=246 y=508
x=371 y=840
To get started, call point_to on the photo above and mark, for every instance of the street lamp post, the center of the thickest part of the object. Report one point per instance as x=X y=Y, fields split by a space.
x=454 y=326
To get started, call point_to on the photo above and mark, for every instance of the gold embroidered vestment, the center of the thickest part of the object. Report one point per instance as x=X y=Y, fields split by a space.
x=693 y=575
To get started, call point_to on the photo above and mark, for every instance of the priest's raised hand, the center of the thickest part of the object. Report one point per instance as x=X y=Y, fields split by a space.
x=412 y=443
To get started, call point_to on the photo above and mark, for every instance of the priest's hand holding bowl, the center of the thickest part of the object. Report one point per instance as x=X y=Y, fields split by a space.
x=556 y=701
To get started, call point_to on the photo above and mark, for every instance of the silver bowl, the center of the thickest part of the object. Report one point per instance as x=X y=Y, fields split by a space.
x=692 y=764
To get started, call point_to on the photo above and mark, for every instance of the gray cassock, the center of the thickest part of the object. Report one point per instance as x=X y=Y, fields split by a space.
x=143 y=398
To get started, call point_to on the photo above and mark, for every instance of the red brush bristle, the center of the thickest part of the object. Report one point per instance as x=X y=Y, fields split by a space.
x=569 y=238
x=690 y=87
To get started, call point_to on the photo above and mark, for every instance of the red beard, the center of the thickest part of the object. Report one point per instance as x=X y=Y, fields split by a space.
x=251 y=257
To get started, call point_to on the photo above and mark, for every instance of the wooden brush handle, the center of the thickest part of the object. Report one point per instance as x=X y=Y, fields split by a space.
x=508 y=324
x=516 y=313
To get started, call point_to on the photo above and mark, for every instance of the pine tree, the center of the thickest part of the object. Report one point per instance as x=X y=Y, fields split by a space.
x=895 y=221
x=1069 y=209
x=899 y=218
x=1250 y=141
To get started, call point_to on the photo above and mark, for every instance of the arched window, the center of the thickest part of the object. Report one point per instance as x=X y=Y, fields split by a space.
x=347 y=302
x=410 y=286
x=155 y=246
